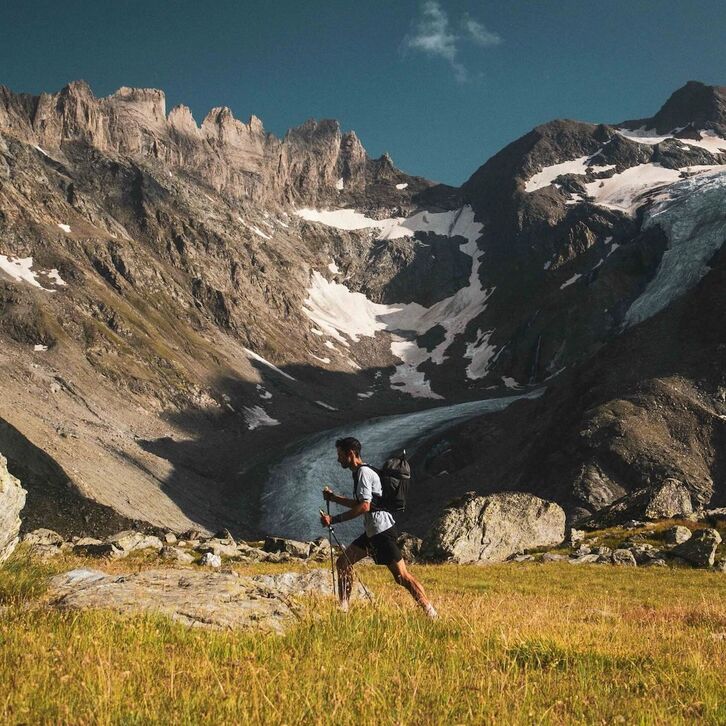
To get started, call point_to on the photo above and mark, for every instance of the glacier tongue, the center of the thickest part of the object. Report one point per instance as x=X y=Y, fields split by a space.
x=693 y=217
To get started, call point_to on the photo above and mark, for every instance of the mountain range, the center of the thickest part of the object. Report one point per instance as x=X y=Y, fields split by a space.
x=180 y=302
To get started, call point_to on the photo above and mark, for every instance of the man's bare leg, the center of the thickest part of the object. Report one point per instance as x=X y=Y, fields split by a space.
x=345 y=564
x=404 y=578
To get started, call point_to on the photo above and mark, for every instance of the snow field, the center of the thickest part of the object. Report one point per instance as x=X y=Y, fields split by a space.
x=256 y=416
x=20 y=269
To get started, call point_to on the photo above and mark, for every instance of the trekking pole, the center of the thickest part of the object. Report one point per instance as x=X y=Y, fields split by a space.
x=330 y=542
x=350 y=564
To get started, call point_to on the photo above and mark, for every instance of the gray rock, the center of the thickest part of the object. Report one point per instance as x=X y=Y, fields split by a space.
x=671 y=499
x=553 y=557
x=176 y=554
x=676 y=535
x=253 y=554
x=410 y=546
x=643 y=552
x=218 y=547
x=491 y=528
x=720 y=565
x=576 y=536
x=170 y=538
x=700 y=549
x=291 y=546
x=129 y=541
x=624 y=557
x=320 y=550
x=12 y=501
x=197 y=598
x=91 y=547
x=582 y=550
x=209 y=559
x=43 y=537
x=521 y=558
x=584 y=559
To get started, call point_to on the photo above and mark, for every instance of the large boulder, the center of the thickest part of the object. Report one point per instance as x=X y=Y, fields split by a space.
x=700 y=549
x=291 y=546
x=671 y=498
x=198 y=598
x=12 y=501
x=493 y=527
x=129 y=541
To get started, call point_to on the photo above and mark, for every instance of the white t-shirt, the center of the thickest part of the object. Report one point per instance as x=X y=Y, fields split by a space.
x=369 y=484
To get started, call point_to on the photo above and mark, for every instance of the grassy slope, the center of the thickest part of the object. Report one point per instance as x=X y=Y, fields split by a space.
x=515 y=644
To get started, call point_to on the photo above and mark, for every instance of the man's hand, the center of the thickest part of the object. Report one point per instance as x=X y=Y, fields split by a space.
x=325 y=519
x=328 y=494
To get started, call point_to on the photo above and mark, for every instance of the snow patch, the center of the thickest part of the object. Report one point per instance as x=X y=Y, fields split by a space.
x=267 y=363
x=43 y=151
x=264 y=393
x=340 y=312
x=572 y=280
x=38 y=347
x=256 y=416
x=20 y=269
x=322 y=360
x=334 y=268
x=481 y=355
x=510 y=382
x=340 y=184
x=66 y=228
x=326 y=405
x=367 y=394
x=401 y=186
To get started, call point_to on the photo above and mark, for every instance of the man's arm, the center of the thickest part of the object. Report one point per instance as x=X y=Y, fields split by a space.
x=331 y=496
x=356 y=510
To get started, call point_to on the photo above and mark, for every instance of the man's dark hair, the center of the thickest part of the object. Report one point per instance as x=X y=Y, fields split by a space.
x=349 y=444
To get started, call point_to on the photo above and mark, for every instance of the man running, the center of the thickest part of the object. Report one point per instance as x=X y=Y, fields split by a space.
x=380 y=537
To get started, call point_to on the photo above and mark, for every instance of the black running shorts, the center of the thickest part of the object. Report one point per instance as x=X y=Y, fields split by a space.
x=382 y=547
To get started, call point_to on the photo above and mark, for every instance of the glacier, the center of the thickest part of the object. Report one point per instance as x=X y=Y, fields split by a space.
x=692 y=213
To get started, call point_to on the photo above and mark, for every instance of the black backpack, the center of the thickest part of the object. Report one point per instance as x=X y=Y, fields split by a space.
x=395 y=476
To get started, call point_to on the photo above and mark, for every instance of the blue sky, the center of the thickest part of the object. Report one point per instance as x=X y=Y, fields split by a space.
x=439 y=85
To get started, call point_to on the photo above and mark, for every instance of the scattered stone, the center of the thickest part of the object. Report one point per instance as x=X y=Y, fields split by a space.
x=43 y=537
x=667 y=500
x=12 y=501
x=624 y=558
x=676 y=535
x=291 y=546
x=584 y=559
x=553 y=557
x=642 y=552
x=582 y=550
x=720 y=565
x=197 y=598
x=576 y=536
x=253 y=554
x=193 y=534
x=410 y=546
x=170 y=538
x=320 y=550
x=715 y=516
x=520 y=557
x=491 y=528
x=176 y=554
x=700 y=549
x=129 y=541
x=218 y=547
x=209 y=559
x=91 y=547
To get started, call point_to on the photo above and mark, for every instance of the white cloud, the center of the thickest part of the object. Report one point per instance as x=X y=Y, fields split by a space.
x=479 y=34
x=432 y=34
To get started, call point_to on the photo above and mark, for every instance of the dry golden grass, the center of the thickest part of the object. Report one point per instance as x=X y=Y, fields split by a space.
x=529 y=643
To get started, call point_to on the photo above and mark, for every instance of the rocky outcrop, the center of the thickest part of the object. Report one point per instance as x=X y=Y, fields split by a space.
x=12 y=501
x=491 y=528
x=700 y=549
x=668 y=500
x=202 y=599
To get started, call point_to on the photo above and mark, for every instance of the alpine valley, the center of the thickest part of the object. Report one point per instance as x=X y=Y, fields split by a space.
x=181 y=302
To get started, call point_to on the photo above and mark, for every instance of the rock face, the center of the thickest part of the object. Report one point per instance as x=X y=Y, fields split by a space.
x=196 y=598
x=12 y=501
x=493 y=527
x=700 y=549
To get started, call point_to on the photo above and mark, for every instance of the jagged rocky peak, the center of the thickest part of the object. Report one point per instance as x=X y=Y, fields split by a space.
x=221 y=124
x=181 y=119
x=695 y=104
x=151 y=102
